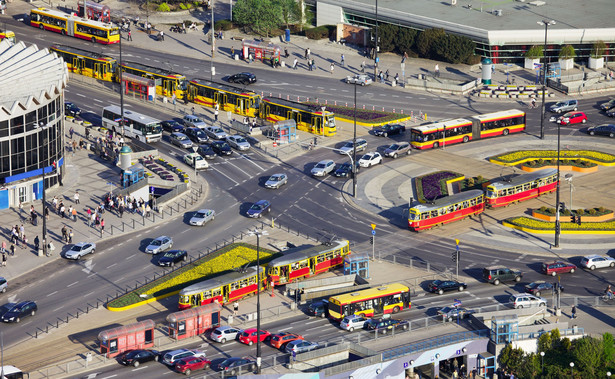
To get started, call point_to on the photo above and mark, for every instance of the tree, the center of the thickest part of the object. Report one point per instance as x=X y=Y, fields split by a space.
x=567 y=52
x=405 y=40
x=535 y=52
x=453 y=48
x=262 y=16
x=425 y=41
x=387 y=34
x=511 y=359
x=290 y=11
x=598 y=49
x=587 y=354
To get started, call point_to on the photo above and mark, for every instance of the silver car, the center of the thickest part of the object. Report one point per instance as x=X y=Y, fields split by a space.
x=216 y=132
x=323 y=168
x=276 y=181
x=180 y=139
x=362 y=79
x=202 y=216
x=564 y=106
x=238 y=142
x=159 y=245
x=348 y=146
x=525 y=300
x=300 y=346
x=171 y=357
x=352 y=322
x=224 y=333
x=191 y=121
x=397 y=149
x=80 y=249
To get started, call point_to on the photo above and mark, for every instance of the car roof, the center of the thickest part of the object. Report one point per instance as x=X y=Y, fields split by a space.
x=326 y=161
x=161 y=237
x=226 y=327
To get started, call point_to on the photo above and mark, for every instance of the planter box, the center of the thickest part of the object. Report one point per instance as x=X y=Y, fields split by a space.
x=566 y=64
x=585 y=217
x=529 y=63
x=561 y=167
x=595 y=63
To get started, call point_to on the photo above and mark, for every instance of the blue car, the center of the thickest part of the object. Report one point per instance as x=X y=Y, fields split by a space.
x=257 y=209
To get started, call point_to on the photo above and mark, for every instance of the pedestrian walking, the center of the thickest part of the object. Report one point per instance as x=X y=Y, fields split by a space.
x=102 y=225
x=129 y=35
x=343 y=63
x=387 y=75
x=76 y=197
x=192 y=110
x=396 y=78
x=235 y=308
x=74 y=214
x=70 y=236
x=71 y=131
x=308 y=53
x=25 y=242
x=286 y=55
x=295 y=64
x=294 y=356
x=92 y=220
x=3 y=247
x=37 y=243
x=46 y=213
x=216 y=115
x=363 y=66
x=162 y=35
x=64 y=233
x=574 y=311
x=332 y=67
x=4 y=258
x=232 y=52
x=12 y=249
x=437 y=71
x=305 y=54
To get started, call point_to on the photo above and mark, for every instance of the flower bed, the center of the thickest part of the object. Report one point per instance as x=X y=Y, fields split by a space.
x=522 y=156
x=537 y=226
x=588 y=215
x=364 y=117
x=434 y=186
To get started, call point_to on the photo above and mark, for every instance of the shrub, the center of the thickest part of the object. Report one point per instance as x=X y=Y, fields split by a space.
x=534 y=52
x=592 y=212
x=185 y=6
x=598 y=49
x=566 y=212
x=473 y=59
x=163 y=7
x=471 y=182
x=318 y=32
x=480 y=179
x=550 y=211
x=567 y=52
x=601 y=209
x=543 y=209
x=541 y=161
x=580 y=212
x=223 y=25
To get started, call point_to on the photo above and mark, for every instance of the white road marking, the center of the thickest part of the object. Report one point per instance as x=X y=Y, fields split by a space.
x=72 y=284
x=111 y=376
x=81 y=95
x=130 y=256
x=88 y=294
x=228 y=177
x=112 y=265
x=251 y=161
x=53 y=293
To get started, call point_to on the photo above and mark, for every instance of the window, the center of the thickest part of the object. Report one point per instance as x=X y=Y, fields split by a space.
x=31 y=121
x=4 y=128
x=17 y=125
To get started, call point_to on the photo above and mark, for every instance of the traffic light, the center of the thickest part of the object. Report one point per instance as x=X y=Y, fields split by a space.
x=573 y=218
x=454 y=256
x=371 y=240
x=579 y=220
x=562 y=206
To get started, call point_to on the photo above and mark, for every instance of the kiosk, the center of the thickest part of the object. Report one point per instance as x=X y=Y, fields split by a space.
x=194 y=321
x=115 y=341
x=286 y=131
x=357 y=263
x=260 y=50
x=139 y=86
x=98 y=12
x=132 y=175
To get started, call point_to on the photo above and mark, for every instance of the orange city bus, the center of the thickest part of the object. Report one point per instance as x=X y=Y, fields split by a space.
x=302 y=262
x=461 y=130
x=221 y=289
x=390 y=298
x=74 y=26
x=446 y=209
x=521 y=187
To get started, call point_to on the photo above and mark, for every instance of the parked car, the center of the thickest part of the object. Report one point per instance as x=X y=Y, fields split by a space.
x=280 y=340
x=453 y=313
x=558 y=267
x=276 y=181
x=180 y=140
x=136 y=357
x=323 y=168
x=349 y=146
x=345 y=169
x=224 y=333
x=248 y=336
x=192 y=121
x=564 y=106
x=257 y=209
x=389 y=130
x=398 y=149
x=195 y=159
x=206 y=151
x=196 y=135
x=202 y=216
x=171 y=357
x=602 y=130
x=242 y=78
x=370 y=159
x=234 y=366
x=352 y=322
x=159 y=245
x=524 y=300
x=385 y=325
x=611 y=112
x=300 y=346
x=238 y=142
x=80 y=249
x=498 y=274
x=172 y=126
x=221 y=148
x=3 y=284
x=15 y=312
x=540 y=287
x=362 y=79
x=572 y=118
x=190 y=364
x=608 y=105
x=318 y=308
x=171 y=257
x=70 y=109
x=593 y=262
x=441 y=286
x=216 y=132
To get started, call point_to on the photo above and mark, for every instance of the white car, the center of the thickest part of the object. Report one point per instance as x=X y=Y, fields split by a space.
x=202 y=216
x=159 y=245
x=370 y=159
x=593 y=262
x=362 y=79
x=80 y=249
x=352 y=322
x=323 y=168
x=215 y=132
x=238 y=142
x=225 y=333
x=193 y=159
x=171 y=357
x=348 y=146
x=525 y=300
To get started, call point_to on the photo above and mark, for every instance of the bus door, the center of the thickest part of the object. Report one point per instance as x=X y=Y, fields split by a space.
x=70 y=27
x=168 y=87
x=192 y=93
x=378 y=305
x=241 y=106
x=99 y=70
x=225 y=293
x=78 y=64
x=284 y=272
x=476 y=129
x=223 y=101
x=317 y=125
x=312 y=265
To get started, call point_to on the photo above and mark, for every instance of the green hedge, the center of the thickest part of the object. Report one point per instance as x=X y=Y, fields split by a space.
x=532 y=223
x=600 y=211
x=320 y=32
x=163 y=7
x=223 y=24
x=553 y=162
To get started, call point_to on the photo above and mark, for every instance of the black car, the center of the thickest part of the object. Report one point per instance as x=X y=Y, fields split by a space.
x=318 y=308
x=196 y=135
x=602 y=130
x=389 y=130
x=136 y=357
x=171 y=257
x=71 y=109
x=172 y=126
x=206 y=151
x=15 y=312
x=538 y=288
x=235 y=366
x=242 y=78
x=441 y=286
x=343 y=170
x=608 y=105
x=221 y=147
x=384 y=325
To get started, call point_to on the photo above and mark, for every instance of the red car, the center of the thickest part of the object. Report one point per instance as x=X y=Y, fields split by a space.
x=248 y=336
x=572 y=118
x=189 y=364
x=281 y=339
x=559 y=267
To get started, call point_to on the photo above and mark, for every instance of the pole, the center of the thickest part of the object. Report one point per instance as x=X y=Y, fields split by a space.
x=44 y=204
x=258 y=306
x=376 y=46
x=557 y=198
x=570 y=194
x=121 y=90
x=354 y=149
x=213 y=43
x=374 y=247
x=544 y=78
x=458 y=256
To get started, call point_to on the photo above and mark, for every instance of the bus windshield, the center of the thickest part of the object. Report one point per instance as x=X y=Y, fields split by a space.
x=335 y=308
x=331 y=121
x=183 y=84
x=153 y=128
x=114 y=31
x=416 y=135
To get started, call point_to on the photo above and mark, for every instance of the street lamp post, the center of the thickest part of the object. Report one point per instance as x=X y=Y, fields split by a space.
x=196 y=177
x=569 y=180
x=571 y=370
x=121 y=90
x=376 y=46
x=213 y=43
x=354 y=147
x=542 y=362
x=557 y=187
x=546 y=23
x=258 y=233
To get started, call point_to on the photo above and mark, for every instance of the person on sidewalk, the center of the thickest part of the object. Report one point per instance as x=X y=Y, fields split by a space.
x=216 y=115
x=574 y=311
x=37 y=243
x=363 y=66
x=64 y=234
x=295 y=64
x=343 y=62
x=235 y=308
x=102 y=225
x=25 y=242
x=70 y=236
x=129 y=35
x=12 y=250
x=71 y=131
x=286 y=55
x=74 y=214
x=308 y=53
x=437 y=71
x=161 y=35
x=232 y=52
x=332 y=67
x=387 y=75
x=4 y=258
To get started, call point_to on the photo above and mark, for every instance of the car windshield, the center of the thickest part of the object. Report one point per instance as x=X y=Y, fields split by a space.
x=257 y=207
x=156 y=243
x=200 y=215
x=320 y=165
x=560 y=104
x=196 y=119
x=348 y=144
x=171 y=254
x=394 y=147
x=367 y=157
x=218 y=130
x=224 y=145
x=76 y=248
x=445 y=309
x=240 y=140
x=275 y=178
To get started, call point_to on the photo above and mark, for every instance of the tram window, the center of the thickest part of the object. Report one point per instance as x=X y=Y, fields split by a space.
x=434 y=213
x=526 y=186
x=216 y=292
x=243 y=283
x=234 y=285
x=465 y=204
x=252 y=280
x=303 y=264
x=449 y=209
x=472 y=202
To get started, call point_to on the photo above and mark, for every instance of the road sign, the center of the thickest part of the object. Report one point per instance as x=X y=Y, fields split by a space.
x=456 y=303
x=373 y=232
x=373 y=226
x=537 y=65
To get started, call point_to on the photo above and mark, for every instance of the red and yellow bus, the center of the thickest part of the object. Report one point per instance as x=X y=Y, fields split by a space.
x=446 y=209
x=303 y=262
x=74 y=26
x=521 y=187
x=309 y=118
x=87 y=63
x=390 y=298
x=222 y=289
x=461 y=130
x=229 y=98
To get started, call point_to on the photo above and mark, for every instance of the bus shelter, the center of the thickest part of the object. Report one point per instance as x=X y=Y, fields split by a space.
x=357 y=263
x=286 y=131
x=194 y=321
x=98 y=12
x=115 y=341
x=260 y=50
x=144 y=88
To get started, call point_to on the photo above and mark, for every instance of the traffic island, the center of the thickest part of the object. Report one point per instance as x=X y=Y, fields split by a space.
x=580 y=160
x=531 y=225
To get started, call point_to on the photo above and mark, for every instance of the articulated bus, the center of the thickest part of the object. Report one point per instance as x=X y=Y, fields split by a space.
x=168 y=83
x=522 y=187
x=222 y=289
x=390 y=298
x=87 y=63
x=446 y=209
x=136 y=125
x=309 y=118
x=66 y=24
x=448 y=132
x=237 y=100
x=303 y=262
